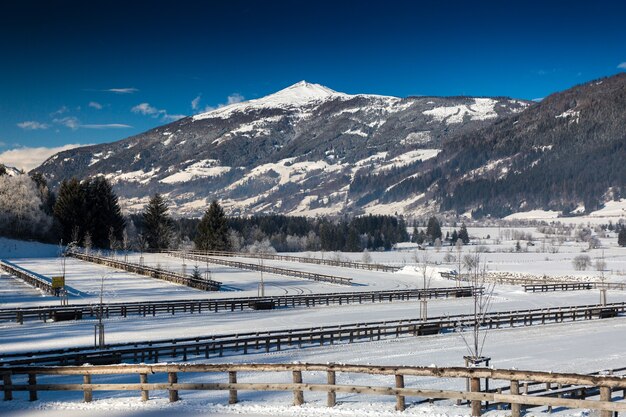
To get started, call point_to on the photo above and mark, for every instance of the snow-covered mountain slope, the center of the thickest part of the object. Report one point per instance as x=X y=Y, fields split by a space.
x=305 y=149
x=565 y=154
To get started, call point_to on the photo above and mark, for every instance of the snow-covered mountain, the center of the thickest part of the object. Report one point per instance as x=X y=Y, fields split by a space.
x=305 y=150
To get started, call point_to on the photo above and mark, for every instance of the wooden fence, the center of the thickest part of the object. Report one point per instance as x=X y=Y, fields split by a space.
x=29 y=277
x=572 y=286
x=299 y=259
x=151 y=308
x=200 y=284
x=276 y=340
x=266 y=268
x=403 y=382
x=538 y=281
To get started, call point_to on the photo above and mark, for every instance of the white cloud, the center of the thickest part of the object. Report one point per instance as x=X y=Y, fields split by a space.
x=29 y=158
x=95 y=105
x=33 y=125
x=622 y=65
x=74 y=124
x=128 y=90
x=235 y=98
x=60 y=111
x=106 y=126
x=148 y=110
x=69 y=121
x=195 y=103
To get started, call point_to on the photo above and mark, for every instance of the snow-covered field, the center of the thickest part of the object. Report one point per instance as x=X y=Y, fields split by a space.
x=574 y=347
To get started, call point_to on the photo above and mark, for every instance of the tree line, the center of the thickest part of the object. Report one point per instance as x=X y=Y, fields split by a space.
x=87 y=213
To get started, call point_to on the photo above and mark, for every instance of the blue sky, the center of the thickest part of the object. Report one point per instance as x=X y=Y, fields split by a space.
x=92 y=72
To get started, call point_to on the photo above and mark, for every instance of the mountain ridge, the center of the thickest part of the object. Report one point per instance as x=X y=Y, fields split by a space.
x=297 y=151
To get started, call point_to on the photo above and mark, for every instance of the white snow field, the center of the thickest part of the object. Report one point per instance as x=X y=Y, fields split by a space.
x=581 y=346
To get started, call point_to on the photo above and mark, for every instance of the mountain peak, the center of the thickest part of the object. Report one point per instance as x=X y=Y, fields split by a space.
x=303 y=91
x=298 y=94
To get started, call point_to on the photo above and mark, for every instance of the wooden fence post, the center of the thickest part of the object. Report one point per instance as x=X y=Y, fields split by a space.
x=6 y=380
x=476 y=404
x=400 y=404
x=172 y=378
x=331 y=398
x=232 y=393
x=145 y=394
x=605 y=395
x=32 y=380
x=298 y=395
x=87 y=392
x=515 y=408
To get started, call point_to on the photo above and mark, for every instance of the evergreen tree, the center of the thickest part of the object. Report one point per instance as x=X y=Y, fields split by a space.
x=69 y=209
x=196 y=274
x=621 y=237
x=353 y=243
x=213 y=230
x=104 y=216
x=3 y=170
x=433 y=229
x=157 y=223
x=455 y=237
x=463 y=235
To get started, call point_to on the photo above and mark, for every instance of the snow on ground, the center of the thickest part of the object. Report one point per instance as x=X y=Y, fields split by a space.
x=140 y=176
x=572 y=347
x=558 y=348
x=397 y=207
x=613 y=211
x=287 y=170
x=11 y=248
x=534 y=215
x=34 y=335
x=482 y=109
x=202 y=169
x=407 y=158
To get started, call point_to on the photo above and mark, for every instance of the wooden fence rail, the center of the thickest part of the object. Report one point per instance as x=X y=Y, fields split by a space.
x=538 y=282
x=151 y=308
x=405 y=383
x=266 y=268
x=570 y=286
x=35 y=280
x=200 y=284
x=276 y=340
x=299 y=259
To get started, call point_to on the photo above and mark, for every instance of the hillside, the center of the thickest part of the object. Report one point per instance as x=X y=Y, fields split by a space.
x=566 y=154
x=304 y=150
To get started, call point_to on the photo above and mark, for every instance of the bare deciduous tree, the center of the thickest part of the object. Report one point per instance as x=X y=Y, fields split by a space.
x=474 y=335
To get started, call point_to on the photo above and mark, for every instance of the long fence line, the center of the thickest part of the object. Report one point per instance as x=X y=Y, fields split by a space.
x=276 y=340
x=265 y=268
x=29 y=277
x=152 y=308
x=200 y=284
x=299 y=259
x=398 y=385
x=542 y=284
